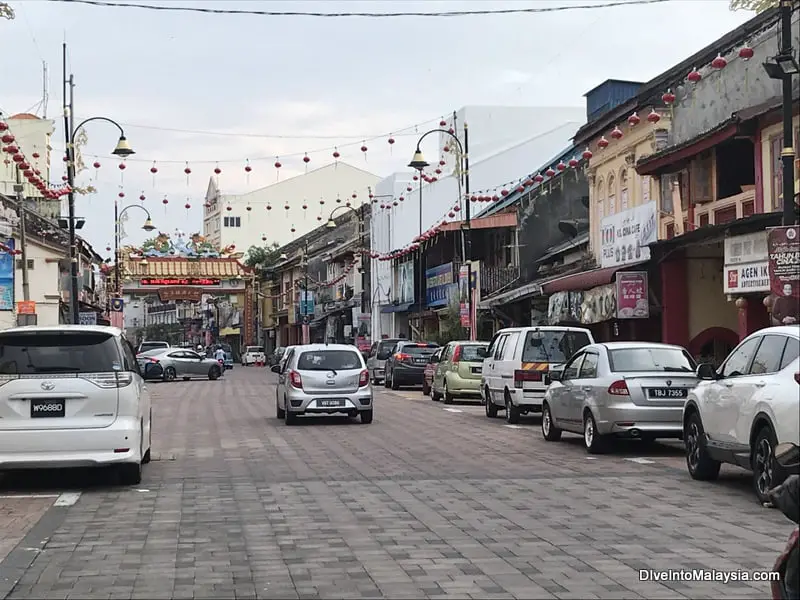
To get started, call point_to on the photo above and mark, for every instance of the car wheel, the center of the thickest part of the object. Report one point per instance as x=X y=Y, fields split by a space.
x=129 y=473
x=169 y=374
x=512 y=412
x=550 y=432
x=766 y=472
x=279 y=412
x=214 y=373
x=594 y=442
x=393 y=384
x=448 y=397
x=489 y=405
x=700 y=465
x=289 y=417
x=366 y=416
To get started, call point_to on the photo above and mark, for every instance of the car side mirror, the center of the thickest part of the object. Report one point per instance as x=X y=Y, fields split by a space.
x=276 y=368
x=787 y=455
x=555 y=375
x=482 y=353
x=707 y=372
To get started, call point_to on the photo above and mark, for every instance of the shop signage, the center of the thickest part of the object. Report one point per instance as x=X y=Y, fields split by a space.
x=783 y=245
x=178 y=281
x=171 y=294
x=746 y=264
x=463 y=294
x=564 y=307
x=599 y=304
x=306 y=303
x=632 y=298
x=26 y=307
x=249 y=316
x=625 y=236
x=439 y=285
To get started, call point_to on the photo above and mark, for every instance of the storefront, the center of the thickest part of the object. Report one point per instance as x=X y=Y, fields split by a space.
x=746 y=279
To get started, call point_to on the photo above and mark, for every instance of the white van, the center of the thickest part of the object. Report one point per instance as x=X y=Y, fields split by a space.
x=518 y=360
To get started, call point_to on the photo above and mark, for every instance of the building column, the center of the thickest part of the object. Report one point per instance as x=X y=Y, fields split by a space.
x=752 y=316
x=674 y=302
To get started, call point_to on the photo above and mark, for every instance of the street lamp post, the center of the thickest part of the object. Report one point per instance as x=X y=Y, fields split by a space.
x=122 y=150
x=419 y=163
x=148 y=226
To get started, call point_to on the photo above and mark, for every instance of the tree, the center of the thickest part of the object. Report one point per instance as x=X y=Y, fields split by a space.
x=450 y=328
x=756 y=5
x=262 y=257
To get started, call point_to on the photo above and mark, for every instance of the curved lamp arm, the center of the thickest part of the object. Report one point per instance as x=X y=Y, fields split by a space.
x=452 y=135
x=350 y=208
x=106 y=119
x=139 y=206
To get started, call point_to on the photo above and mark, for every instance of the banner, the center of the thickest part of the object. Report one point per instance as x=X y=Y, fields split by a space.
x=7 y=270
x=632 y=299
x=405 y=282
x=783 y=245
x=599 y=304
x=625 y=237
x=438 y=285
x=463 y=295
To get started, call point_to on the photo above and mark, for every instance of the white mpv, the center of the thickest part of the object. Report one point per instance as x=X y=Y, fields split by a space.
x=72 y=396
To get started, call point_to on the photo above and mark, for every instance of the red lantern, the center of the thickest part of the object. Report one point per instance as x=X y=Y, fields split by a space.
x=35 y=155
x=363 y=148
x=433 y=179
x=187 y=206
x=451 y=131
x=305 y=206
x=442 y=123
x=18 y=158
x=408 y=188
x=286 y=206
x=263 y=238
x=451 y=214
x=121 y=166
x=504 y=192
x=550 y=172
x=336 y=154
x=719 y=62
x=401 y=198
x=390 y=140
x=306 y=159
x=442 y=163
x=121 y=194
x=561 y=166
x=278 y=164
x=217 y=170
x=96 y=165
x=538 y=178
x=108 y=248
x=394 y=203
x=23 y=165
x=616 y=133
x=153 y=169
x=142 y=198
x=446 y=148
x=694 y=76
x=229 y=208
x=438 y=171
x=415 y=178
x=573 y=162
x=746 y=52
x=3 y=126
x=521 y=189
x=319 y=217
x=11 y=149
x=653 y=117
x=7 y=138
x=248 y=208
x=383 y=206
x=528 y=182
x=602 y=142
x=187 y=170
x=165 y=202
x=634 y=120
x=247 y=168
x=668 y=97
x=269 y=207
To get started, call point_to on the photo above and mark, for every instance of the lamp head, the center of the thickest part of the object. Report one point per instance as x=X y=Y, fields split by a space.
x=123 y=148
x=331 y=224
x=418 y=162
x=283 y=256
x=148 y=225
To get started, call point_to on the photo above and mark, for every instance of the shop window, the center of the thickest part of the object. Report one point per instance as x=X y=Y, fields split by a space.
x=665 y=187
x=701 y=178
x=612 y=195
x=748 y=208
x=704 y=220
x=725 y=215
x=623 y=190
x=735 y=167
x=684 y=180
x=670 y=231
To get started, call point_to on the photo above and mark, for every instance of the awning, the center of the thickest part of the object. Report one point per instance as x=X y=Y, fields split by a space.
x=393 y=308
x=528 y=290
x=508 y=219
x=226 y=331
x=662 y=160
x=585 y=280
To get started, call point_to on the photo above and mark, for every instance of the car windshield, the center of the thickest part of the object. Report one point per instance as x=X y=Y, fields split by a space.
x=329 y=360
x=255 y=349
x=633 y=360
x=67 y=352
x=384 y=350
x=418 y=350
x=470 y=353
x=553 y=346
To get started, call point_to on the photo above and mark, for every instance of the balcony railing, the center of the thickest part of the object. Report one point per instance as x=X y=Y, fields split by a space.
x=496 y=278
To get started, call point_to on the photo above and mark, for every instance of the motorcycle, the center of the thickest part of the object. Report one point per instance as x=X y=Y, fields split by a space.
x=787 y=498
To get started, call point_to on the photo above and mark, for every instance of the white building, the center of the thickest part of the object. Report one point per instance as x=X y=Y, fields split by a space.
x=505 y=145
x=260 y=217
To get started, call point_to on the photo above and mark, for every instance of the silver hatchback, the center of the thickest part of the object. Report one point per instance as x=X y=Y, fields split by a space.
x=323 y=379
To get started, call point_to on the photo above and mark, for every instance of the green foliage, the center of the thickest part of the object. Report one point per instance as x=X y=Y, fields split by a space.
x=262 y=257
x=450 y=329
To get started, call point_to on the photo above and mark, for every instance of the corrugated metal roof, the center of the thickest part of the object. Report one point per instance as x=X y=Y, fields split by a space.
x=508 y=219
x=213 y=268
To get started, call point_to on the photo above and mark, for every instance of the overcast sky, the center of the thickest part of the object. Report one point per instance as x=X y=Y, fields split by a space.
x=282 y=86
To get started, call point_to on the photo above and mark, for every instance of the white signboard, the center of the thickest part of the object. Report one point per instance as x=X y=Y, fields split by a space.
x=746 y=264
x=87 y=318
x=625 y=236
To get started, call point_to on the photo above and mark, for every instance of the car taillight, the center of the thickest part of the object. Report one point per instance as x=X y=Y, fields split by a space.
x=619 y=388
x=521 y=376
x=457 y=354
x=109 y=380
x=363 y=378
x=402 y=357
x=296 y=380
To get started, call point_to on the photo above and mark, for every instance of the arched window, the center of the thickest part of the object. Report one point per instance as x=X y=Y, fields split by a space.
x=612 y=194
x=623 y=190
x=600 y=200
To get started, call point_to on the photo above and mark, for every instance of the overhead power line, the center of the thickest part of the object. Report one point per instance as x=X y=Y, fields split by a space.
x=439 y=14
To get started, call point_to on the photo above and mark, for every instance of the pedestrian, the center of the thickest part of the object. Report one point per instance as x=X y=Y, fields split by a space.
x=220 y=355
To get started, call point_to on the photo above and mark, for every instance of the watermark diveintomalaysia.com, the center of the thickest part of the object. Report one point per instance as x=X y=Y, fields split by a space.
x=710 y=575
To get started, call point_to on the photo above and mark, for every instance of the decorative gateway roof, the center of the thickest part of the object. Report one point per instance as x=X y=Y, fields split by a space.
x=183 y=267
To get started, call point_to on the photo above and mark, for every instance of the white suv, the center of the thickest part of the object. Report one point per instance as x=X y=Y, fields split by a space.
x=739 y=413
x=72 y=396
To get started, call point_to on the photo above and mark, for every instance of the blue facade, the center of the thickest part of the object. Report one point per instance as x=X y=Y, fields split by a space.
x=608 y=95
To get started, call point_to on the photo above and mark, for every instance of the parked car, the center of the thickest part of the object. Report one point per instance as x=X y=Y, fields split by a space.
x=740 y=412
x=183 y=363
x=430 y=370
x=376 y=361
x=276 y=356
x=458 y=374
x=151 y=345
x=323 y=379
x=72 y=396
x=619 y=389
x=514 y=374
x=406 y=365
x=253 y=355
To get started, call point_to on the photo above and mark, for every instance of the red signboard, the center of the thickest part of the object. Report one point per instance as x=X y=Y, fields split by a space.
x=178 y=281
x=783 y=245
x=249 y=316
x=632 y=299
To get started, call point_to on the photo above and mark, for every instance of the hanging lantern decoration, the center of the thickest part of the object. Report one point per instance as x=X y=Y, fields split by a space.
x=521 y=188
x=451 y=214
x=305 y=206
x=438 y=171
x=8 y=138
x=263 y=238
x=446 y=148
x=616 y=133
x=229 y=208
x=142 y=197
x=35 y=155
x=108 y=248
x=319 y=217
x=187 y=171
x=746 y=52
x=121 y=194
x=187 y=206
x=96 y=166
x=269 y=206
x=634 y=120
x=442 y=163
x=550 y=172
x=394 y=203
x=653 y=117
x=561 y=166
x=602 y=143
x=574 y=162
x=401 y=198
x=248 y=208
x=504 y=192
x=538 y=178
x=409 y=188
x=442 y=123
x=382 y=206
x=165 y=202
x=293 y=229
x=286 y=207
x=322 y=201
x=122 y=165
x=456 y=208
x=694 y=76
x=3 y=126
x=277 y=166
x=587 y=154
x=364 y=150
x=719 y=63
x=668 y=98
x=338 y=199
x=415 y=178
x=217 y=170
x=390 y=141
x=306 y=160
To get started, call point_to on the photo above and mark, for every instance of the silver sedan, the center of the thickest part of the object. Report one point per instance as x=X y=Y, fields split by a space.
x=619 y=389
x=179 y=362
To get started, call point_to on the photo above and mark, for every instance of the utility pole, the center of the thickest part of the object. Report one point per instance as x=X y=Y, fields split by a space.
x=69 y=85
x=19 y=188
x=787 y=153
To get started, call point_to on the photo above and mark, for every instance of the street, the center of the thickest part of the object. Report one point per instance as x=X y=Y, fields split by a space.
x=429 y=501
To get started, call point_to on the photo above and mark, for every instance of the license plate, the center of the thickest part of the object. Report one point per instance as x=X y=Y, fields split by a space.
x=330 y=403
x=421 y=361
x=666 y=393
x=47 y=408
x=477 y=370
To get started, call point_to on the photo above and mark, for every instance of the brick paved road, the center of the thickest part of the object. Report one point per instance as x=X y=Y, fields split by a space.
x=427 y=502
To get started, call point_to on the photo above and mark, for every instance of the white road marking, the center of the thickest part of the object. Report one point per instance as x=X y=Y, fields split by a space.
x=641 y=461
x=514 y=426
x=591 y=458
x=13 y=496
x=453 y=410
x=67 y=499
x=142 y=491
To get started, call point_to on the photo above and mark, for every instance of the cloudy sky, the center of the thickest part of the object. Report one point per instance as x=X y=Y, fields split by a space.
x=216 y=90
